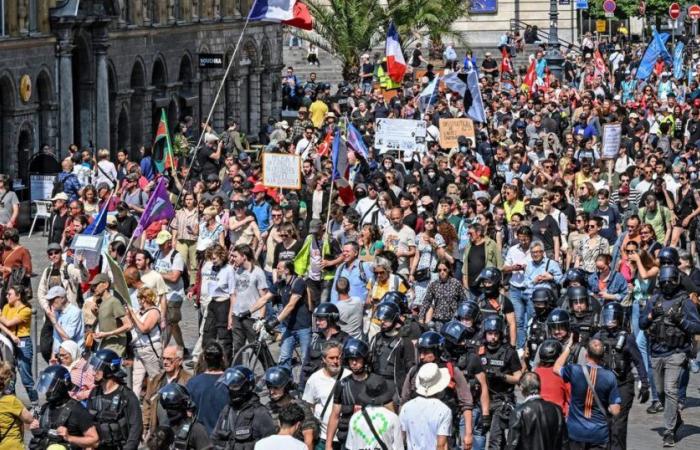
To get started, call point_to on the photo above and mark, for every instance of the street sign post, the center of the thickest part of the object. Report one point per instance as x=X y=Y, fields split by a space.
x=674 y=12
x=609 y=7
x=694 y=14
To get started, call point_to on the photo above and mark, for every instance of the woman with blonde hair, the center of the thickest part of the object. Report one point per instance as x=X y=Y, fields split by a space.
x=13 y=414
x=105 y=170
x=145 y=337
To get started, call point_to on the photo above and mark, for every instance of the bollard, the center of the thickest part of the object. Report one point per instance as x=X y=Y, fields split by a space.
x=35 y=344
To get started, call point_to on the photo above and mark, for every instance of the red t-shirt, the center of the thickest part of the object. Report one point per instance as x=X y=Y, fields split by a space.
x=553 y=388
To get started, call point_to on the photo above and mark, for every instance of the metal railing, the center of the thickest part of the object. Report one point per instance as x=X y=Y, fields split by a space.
x=543 y=35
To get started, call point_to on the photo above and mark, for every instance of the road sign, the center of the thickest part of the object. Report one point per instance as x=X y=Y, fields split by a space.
x=609 y=6
x=600 y=26
x=674 y=11
x=581 y=4
x=694 y=12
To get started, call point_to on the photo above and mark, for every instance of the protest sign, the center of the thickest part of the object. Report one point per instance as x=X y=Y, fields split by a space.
x=399 y=134
x=282 y=171
x=612 y=136
x=451 y=129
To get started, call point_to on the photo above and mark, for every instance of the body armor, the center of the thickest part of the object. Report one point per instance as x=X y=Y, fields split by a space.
x=663 y=329
x=235 y=428
x=614 y=357
x=112 y=424
x=46 y=435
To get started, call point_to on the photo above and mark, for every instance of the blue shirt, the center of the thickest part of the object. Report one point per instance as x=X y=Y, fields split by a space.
x=209 y=397
x=358 y=281
x=262 y=215
x=534 y=269
x=147 y=168
x=586 y=422
x=616 y=285
x=71 y=320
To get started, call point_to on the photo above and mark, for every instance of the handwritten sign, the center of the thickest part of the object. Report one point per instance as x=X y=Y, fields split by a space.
x=451 y=129
x=612 y=137
x=282 y=171
x=399 y=134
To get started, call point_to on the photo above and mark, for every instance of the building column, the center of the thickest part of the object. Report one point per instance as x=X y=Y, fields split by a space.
x=266 y=89
x=101 y=44
x=65 y=91
x=254 y=101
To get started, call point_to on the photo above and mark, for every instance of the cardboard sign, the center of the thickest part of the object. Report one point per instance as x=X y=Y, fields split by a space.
x=612 y=137
x=399 y=134
x=451 y=129
x=282 y=171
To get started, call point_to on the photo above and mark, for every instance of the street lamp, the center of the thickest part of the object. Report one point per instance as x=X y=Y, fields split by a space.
x=553 y=56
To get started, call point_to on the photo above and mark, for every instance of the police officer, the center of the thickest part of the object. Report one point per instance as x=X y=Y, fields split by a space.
x=572 y=277
x=559 y=328
x=621 y=352
x=188 y=433
x=346 y=391
x=457 y=395
x=114 y=406
x=326 y=316
x=543 y=301
x=244 y=421
x=503 y=370
x=491 y=302
x=668 y=256
x=411 y=327
x=461 y=349
x=280 y=386
x=585 y=316
x=61 y=420
x=469 y=314
x=391 y=354
x=671 y=319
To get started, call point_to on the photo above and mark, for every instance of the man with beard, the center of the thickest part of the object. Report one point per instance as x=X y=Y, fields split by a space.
x=278 y=381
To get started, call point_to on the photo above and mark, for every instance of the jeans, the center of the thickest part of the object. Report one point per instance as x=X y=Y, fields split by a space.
x=479 y=437
x=683 y=384
x=290 y=339
x=667 y=371
x=524 y=310
x=643 y=344
x=24 y=354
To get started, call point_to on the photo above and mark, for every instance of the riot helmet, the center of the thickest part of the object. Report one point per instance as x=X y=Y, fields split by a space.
x=578 y=299
x=327 y=311
x=668 y=256
x=575 y=276
x=108 y=362
x=55 y=383
x=543 y=299
x=175 y=396
x=468 y=311
x=559 y=324
x=489 y=281
x=240 y=382
x=612 y=316
x=278 y=378
x=669 y=280
x=431 y=342
x=549 y=351
x=455 y=335
x=399 y=298
x=494 y=324
x=387 y=312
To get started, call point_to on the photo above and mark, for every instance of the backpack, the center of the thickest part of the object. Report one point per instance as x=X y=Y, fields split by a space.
x=185 y=273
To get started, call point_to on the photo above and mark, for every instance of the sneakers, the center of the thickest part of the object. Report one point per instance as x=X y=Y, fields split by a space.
x=669 y=440
x=655 y=407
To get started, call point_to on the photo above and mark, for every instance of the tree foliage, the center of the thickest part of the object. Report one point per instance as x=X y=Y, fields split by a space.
x=348 y=28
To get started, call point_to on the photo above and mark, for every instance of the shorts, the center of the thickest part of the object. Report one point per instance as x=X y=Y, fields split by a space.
x=174 y=312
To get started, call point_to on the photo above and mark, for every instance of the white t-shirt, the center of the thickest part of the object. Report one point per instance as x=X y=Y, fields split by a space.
x=422 y=428
x=318 y=387
x=168 y=263
x=385 y=422
x=279 y=442
x=399 y=240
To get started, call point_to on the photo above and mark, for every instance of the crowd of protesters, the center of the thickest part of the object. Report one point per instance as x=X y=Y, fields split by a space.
x=406 y=316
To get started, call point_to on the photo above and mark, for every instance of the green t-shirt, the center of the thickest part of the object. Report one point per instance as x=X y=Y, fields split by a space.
x=657 y=220
x=109 y=318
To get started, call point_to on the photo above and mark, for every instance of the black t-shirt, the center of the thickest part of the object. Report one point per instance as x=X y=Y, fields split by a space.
x=476 y=261
x=368 y=69
x=300 y=317
x=545 y=230
x=286 y=254
x=206 y=164
x=79 y=420
x=489 y=64
x=415 y=58
x=511 y=364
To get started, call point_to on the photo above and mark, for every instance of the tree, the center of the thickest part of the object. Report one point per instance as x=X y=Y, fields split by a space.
x=348 y=28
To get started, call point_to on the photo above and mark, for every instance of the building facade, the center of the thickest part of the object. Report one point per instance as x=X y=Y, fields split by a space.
x=100 y=71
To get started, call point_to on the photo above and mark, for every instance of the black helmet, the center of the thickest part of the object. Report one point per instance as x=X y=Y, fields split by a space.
x=550 y=351
x=492 y=275
x=543 y=295
x=669 y=279
x=668 y=256
x=175 y=396
x=355 y=348
x=493 y=322
x=431 y=341
x=455 y=333
x=468 y=310
x=612 y=316
x=278 y=377
x=239 y=380
x=108 y=362
x=388 y=311
x=55 y=382
x=398 y=298
x=577 y=294
x=328 y=311
x=557 y=319
x=575 y=275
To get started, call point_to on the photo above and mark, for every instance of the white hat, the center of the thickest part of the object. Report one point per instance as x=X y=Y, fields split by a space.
x=431 y=380
x=56 y=291
x=60 y=196
x=210 y=138
x=284 y=125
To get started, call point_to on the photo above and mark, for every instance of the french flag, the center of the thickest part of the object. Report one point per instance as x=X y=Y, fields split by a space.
x=289 y=12
x=395 y=63
x=341 y=168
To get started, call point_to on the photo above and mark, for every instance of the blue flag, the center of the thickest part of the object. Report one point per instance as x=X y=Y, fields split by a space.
x=678 y=60
x=429 y=94
x=476 y=110
x=98 y=225
x=356 y=142
x=656 y=48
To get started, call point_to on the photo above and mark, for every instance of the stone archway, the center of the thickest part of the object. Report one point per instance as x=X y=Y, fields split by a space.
x=7 y=107
x=186 y=79
x=137 y=83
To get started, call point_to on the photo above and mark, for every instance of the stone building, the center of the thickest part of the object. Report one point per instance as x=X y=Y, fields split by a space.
x=81 y=71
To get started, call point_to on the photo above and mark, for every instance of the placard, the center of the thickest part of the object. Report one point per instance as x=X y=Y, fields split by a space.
x=399 y=134
x=89 y=242
x=282 y=171
x=612 y=137
x=41 y=187
x=451 y=129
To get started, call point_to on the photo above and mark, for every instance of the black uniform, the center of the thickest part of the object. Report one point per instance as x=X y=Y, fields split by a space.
x=190 y=435
x=536 y=335
x=70 y=414
x=621 y=351
x=240 y=428
x=584 y=326
x=391 y=356
x=118 y=417
x=345 y=394
x=497 y=363
x=314 y=356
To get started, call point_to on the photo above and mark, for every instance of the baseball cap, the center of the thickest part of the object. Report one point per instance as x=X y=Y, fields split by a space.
x=54 y=247
x=100 y=278
x=212 y=177
x=163 y=237
x=60 y=196
x=315 y=225
x=56 y=291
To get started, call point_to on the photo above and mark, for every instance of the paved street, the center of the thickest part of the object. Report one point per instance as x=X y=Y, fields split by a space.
x=644 y=429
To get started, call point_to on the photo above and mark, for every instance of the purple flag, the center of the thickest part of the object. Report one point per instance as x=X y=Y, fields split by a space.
x=157 y=208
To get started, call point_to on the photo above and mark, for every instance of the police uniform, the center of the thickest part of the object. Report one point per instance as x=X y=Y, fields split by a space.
x=536 y=334
x=70 y=414
x=391 y=357
x=585 y=325
x=190 y=435
x=314 y=356
x=240 y=428
x=118 y=417
x=497 y=363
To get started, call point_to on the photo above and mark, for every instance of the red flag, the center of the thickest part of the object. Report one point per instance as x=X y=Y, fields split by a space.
x=324 y=148
x=506 y=66
x=302 y=17
x=599 y=62
x=530 y=76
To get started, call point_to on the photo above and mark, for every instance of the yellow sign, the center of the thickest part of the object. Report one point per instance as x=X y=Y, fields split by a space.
x=600 y=25
x=25 y=88
x=451 y=129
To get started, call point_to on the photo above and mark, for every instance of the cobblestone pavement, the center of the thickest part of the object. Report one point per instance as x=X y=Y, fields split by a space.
x=643 y=430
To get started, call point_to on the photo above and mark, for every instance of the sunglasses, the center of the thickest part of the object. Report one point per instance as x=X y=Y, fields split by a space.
x=591 y=227
x=443 y=270
x=54 y=252
x=277 y=215
x=379 y=272
x=630 y=252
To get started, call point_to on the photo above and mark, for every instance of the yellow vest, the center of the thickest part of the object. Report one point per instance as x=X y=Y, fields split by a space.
x=385 y=80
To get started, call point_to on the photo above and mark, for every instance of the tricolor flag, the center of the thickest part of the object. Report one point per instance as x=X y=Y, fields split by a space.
x=168 y=160
x=356 y=142
x=395 y=62
x=272 y=10
x=158 y=207
x=506 y=66
x=339 y=156
x=98 y=225
x=302 y=17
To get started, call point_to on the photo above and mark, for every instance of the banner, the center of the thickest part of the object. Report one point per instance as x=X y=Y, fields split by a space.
x=656 y=47
x=119 y=286
x=281 y=171
x=612 y=137
x=399 y=134
x=451 y=129
x=678 y=61
x=158 y=207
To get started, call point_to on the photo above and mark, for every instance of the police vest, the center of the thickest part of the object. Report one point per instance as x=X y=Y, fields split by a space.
x=112 y=424
x=662 y=329
x=585 y=326
x=496 y=362
x=474 y=385
x=614 y=356
x=182 y=435
x=234 y=429
x=536 y=334
x=46 y=434
x=384 y=352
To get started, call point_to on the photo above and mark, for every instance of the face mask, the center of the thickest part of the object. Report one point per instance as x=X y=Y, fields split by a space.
x=175 y=416
x=676 y=176
x=432 y=175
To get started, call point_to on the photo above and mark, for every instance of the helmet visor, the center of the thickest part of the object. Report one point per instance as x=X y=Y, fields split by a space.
x=47 y=382
x=100 y=364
